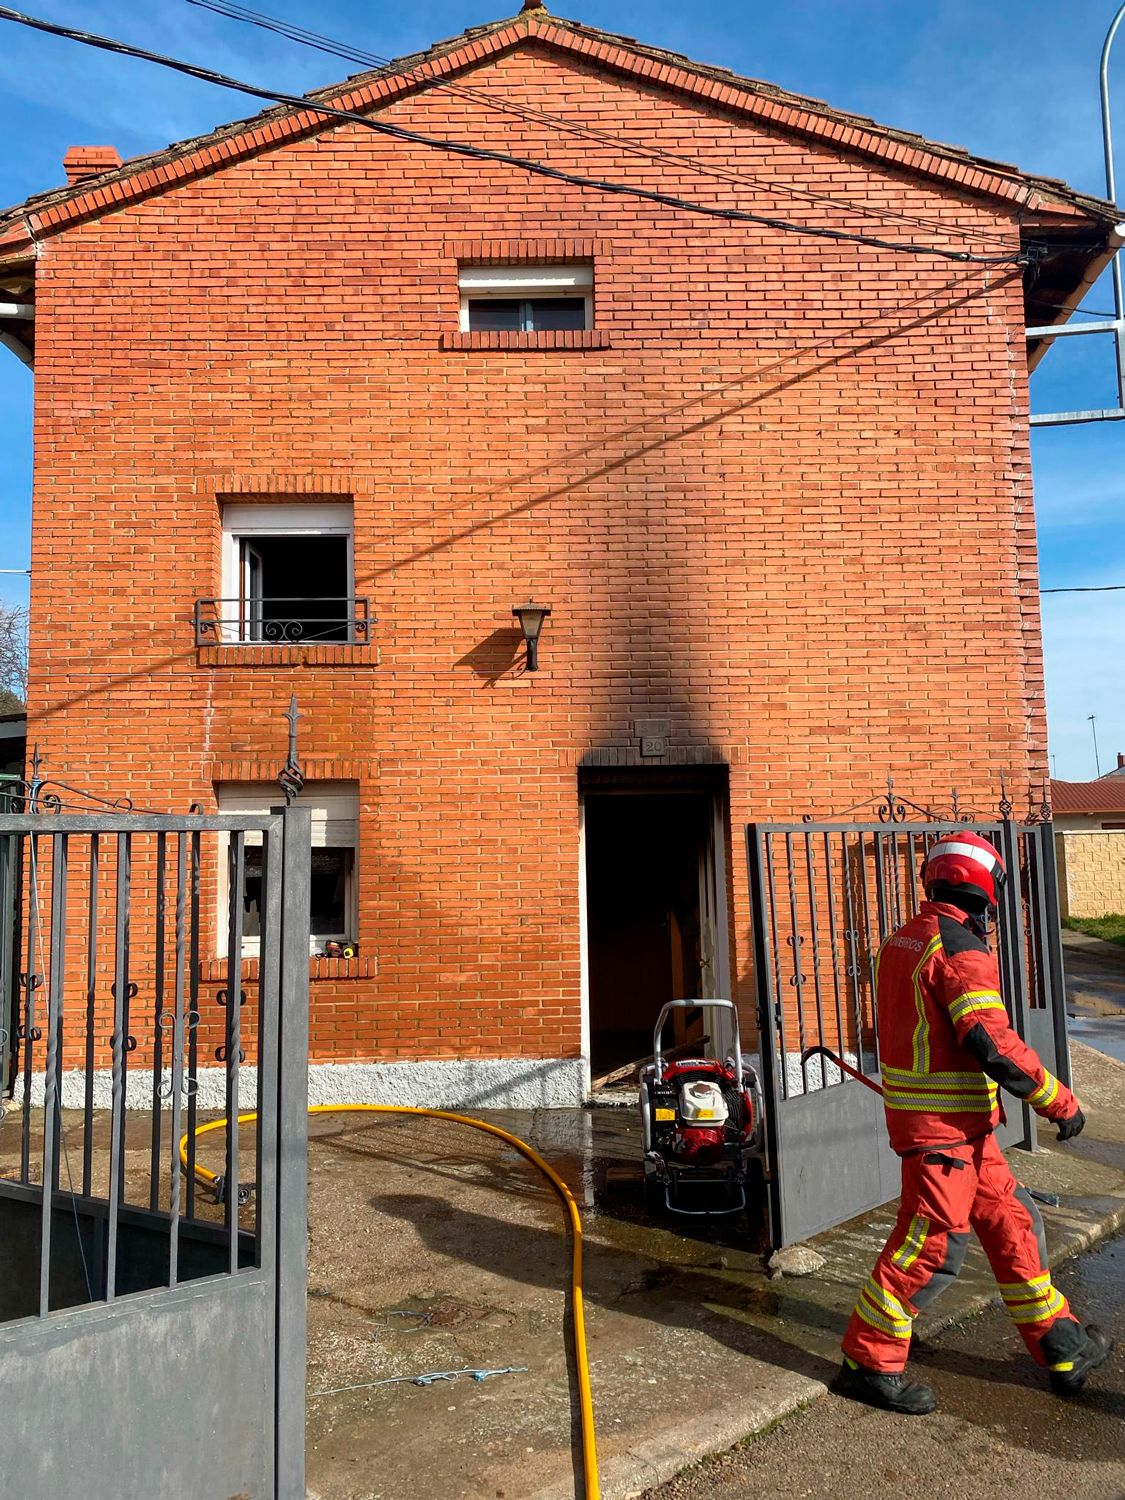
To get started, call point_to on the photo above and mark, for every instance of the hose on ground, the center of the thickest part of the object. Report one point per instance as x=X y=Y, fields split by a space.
x=578 y=1320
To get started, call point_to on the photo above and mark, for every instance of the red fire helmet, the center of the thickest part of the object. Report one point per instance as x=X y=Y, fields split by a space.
x=965 y=859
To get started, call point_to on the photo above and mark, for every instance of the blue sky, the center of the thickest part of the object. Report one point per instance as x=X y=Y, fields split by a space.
x=1012 y=79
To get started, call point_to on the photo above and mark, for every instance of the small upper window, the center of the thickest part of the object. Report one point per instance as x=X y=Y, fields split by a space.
x=526 y=299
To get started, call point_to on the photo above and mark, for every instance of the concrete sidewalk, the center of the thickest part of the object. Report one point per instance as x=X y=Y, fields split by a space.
x=435 y=1247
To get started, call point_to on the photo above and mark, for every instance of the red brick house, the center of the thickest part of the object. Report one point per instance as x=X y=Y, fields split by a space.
x=317 y=407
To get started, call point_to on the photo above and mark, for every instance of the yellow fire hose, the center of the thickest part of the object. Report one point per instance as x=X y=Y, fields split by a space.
x=586 y=1405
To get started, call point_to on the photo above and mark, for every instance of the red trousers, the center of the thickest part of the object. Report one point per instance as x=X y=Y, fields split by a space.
x=944 y=1194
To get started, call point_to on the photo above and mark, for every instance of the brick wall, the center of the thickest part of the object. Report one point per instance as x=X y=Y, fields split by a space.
x=781 y=503
x=1091 y=873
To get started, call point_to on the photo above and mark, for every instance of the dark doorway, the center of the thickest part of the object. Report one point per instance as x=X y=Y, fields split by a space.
x=651 y=915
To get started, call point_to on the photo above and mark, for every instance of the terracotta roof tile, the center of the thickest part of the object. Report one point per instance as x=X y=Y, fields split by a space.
x=1107 y=795
x=671 y=68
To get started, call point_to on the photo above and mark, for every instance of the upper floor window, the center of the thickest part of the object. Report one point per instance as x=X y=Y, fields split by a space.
x=526 y=298
x=288 y=577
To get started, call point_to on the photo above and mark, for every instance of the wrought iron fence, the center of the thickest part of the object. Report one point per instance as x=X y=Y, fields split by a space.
x=125 y=1272
x=118 y=1052
x=293 y=621
x=824 y=895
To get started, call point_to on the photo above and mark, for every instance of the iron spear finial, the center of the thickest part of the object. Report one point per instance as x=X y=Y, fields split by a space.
x=291 y=778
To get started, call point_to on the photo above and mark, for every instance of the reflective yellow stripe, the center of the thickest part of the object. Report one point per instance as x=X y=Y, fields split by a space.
x=936 y=1104
x=965 y=1093
x=908 y=1075
x=1046 y=1093
x=1038 y=1313
x=886 y=1300
x=899 y=1328
x=911 y=1247
x=1032 y=1301
x=973 y=1000
x=1043 y=1279
x=1063 y=1364
x=939 y=1091
x=868 y=1316
x=922 y=1030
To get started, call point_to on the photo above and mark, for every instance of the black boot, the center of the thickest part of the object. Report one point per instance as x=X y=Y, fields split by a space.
x=891 y=1392
x=1094 y=1351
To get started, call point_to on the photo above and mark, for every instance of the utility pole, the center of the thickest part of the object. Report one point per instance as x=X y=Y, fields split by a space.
x=1094 y=732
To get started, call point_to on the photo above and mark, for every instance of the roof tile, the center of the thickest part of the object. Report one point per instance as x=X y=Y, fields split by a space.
x=1107 y=795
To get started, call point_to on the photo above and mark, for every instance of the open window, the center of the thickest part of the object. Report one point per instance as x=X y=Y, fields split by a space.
x=334 y=884
x=288 y=576
x=526 y=298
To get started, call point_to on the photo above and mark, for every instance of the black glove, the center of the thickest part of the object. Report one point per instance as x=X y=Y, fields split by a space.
x=1071 y=1126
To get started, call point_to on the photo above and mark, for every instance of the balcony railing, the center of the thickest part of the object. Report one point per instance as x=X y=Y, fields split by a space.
x=282 y=622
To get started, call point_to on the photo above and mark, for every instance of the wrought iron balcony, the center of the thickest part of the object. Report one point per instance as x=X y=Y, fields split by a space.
x=282 y=622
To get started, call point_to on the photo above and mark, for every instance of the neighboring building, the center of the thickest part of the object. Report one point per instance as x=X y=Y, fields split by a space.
x=1086 y=806
x=1089 y=819
x=13 y=745
x=774 y=487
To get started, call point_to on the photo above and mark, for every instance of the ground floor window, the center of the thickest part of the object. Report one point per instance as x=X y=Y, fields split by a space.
x=334 y=901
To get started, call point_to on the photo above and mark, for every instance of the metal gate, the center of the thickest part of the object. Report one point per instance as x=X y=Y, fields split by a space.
x=824 y=896
x=152 y=1333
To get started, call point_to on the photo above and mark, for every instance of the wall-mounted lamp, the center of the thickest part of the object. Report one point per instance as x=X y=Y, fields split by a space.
x=531 y=617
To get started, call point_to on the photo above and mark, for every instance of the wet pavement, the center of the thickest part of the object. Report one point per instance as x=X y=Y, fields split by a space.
x=1095 y=992
x=998 y=1428
x=434 y=1247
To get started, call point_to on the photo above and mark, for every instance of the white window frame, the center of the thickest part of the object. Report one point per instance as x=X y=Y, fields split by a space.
x=525 y=283
x=241 y=523
x=335 y=825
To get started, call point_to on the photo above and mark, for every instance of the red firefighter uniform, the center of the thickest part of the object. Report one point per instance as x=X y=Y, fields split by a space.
x=945 y=1046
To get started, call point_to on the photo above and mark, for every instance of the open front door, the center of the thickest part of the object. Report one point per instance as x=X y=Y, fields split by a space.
x=655 y=917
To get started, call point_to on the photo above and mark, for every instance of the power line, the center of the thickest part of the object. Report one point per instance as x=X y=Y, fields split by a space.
x=482 y=153
x=1099 y=588
x=350 y=53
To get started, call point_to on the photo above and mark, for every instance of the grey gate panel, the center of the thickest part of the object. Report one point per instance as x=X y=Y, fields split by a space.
x=158 y=1323
x=824 y=896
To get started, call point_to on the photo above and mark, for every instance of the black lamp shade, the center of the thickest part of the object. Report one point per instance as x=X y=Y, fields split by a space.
x=531 y=617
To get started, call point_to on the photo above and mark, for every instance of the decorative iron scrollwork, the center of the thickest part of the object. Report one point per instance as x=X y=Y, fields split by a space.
x=36 y=794
x=892 y=807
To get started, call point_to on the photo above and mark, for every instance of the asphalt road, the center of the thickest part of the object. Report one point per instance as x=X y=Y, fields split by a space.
x=998 y=1428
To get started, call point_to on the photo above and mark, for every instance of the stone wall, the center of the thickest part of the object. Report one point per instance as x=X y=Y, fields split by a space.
x=1091 y=873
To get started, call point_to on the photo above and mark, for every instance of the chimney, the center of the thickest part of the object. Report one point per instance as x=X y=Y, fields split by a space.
x=1120 y=761
x=81 y=162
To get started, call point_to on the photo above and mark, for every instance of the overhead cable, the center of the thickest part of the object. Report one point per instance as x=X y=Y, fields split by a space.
x=372 y=60
x=1097 y=588
x=482 y=153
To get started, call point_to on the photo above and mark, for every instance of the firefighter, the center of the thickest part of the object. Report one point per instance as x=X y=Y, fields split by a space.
x=945 y=1048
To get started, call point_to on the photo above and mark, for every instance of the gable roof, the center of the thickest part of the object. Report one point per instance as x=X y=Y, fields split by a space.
x=1042 y=200
x=1106 y=795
